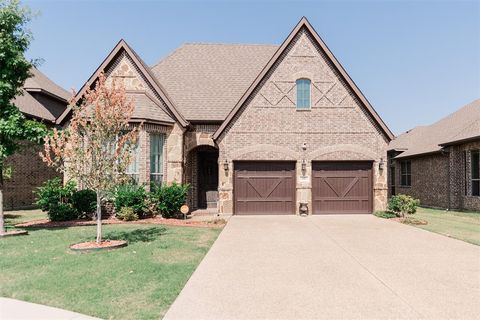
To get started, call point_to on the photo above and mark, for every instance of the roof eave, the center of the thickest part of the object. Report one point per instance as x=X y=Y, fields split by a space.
x=460 y=141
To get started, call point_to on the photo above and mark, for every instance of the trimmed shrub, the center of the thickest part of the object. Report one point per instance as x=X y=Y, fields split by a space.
x=170 y=198
x=62 y=212
x=402 y=205
x=85 y=201
x=132 y=196
x=56 y=199
x=127 y=214
x=385 y=214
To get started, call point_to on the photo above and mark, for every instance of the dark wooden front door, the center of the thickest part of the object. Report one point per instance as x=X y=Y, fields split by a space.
x=207 y=175
x=342 y=187
x=264 y=188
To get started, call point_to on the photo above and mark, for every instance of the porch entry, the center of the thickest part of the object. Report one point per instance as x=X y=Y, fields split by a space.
x=207 y=178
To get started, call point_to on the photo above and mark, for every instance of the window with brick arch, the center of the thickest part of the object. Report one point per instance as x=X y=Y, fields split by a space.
x=475 y=172
x=303 y=94
x=406 y=173
x=157 y=141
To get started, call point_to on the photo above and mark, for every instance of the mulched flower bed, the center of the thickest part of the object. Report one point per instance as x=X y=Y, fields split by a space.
x=45 y=223
x=94 y=246
x=410 y=220
x=13 y=233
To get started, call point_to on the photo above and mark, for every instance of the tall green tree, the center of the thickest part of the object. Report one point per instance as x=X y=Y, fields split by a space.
x=15 y=39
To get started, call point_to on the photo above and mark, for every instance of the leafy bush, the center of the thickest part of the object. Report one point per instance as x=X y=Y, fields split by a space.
x=85 y=201
x=170 y=198
x=62 y=212
x=132 y=196
x=56 y=199
x=127 y=214
x=385 y=214
x=402 y=205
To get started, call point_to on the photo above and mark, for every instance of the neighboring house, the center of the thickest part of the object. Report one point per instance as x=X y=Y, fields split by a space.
x=439 y=164
x=256 y=129
x=44 y=101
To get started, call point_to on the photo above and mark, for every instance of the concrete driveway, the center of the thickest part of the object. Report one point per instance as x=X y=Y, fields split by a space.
x=332 y=267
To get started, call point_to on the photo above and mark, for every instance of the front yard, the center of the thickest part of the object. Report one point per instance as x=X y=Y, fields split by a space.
x=463 y=226
x=136 y=282
x=459 y=225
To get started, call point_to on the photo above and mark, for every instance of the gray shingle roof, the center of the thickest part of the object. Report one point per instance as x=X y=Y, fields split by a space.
x=42 y=98
x=460 y=125
x=205 y=81
x=39 y=81
x=146 y=108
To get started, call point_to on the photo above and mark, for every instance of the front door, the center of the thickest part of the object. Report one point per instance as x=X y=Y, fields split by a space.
x=207 y=177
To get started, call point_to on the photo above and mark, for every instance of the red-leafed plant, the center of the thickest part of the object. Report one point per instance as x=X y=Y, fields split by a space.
x=96 y=147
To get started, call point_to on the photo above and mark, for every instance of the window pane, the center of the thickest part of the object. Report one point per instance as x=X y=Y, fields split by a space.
x=475 y=165
x=476 y=188
x=156 y=157
x=303 y=93
x=133 y=166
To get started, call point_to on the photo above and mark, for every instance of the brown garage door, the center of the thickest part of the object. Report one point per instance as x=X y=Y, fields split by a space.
x=264 y=188
x=342 y=187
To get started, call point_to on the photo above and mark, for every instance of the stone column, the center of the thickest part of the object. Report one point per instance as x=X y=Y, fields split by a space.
x=174 y=155
x=380 y=188
x=304 y=185
x=225 y=187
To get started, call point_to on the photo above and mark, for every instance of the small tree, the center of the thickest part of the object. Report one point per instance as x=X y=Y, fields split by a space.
x=14 y=70
x=97 y=146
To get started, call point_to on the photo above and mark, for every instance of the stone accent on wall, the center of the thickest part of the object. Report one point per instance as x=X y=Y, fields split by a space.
x=174 y=155
x=268 y=126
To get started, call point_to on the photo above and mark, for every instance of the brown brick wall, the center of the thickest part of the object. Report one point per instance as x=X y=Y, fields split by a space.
x=269 y=127
x=29 y=172
x=442 y=179
x=460 y=184
x=429 y=180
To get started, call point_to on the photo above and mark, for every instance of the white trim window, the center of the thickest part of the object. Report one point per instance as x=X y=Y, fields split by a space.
x=132 y=169
x=303 y=94
x=157 y=141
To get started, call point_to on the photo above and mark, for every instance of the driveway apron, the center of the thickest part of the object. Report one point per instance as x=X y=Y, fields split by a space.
x=331 y=267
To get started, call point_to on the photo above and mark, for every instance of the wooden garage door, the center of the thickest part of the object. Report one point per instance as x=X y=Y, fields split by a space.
x=342 y=187
x=264 y=188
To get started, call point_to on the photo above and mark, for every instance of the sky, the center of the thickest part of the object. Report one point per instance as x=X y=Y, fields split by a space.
x=415 y=61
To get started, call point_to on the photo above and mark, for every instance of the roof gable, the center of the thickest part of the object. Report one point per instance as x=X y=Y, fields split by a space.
x=123 y=47
x=305 y=24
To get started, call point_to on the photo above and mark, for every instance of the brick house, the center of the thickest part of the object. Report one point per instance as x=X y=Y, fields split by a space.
x=256 y=129
x=439 y=164
x=45 y=101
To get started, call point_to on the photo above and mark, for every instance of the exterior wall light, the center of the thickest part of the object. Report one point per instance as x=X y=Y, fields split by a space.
x=225 y=165
x=381 y=164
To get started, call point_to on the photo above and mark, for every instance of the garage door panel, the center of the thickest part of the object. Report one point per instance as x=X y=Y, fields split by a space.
x=264 y=187
x=342 y=187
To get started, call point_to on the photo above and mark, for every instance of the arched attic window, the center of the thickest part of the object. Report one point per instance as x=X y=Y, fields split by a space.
x=303 y=94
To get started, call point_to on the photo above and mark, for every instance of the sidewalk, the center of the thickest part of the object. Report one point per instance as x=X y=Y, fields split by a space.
x=11 y=309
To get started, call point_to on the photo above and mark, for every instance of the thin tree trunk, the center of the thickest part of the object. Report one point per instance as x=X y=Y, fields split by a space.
x=99 y=217
x=2 y=225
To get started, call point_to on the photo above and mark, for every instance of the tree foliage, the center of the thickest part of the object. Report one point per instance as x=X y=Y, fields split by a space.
x=14 y=70
x=97 y=146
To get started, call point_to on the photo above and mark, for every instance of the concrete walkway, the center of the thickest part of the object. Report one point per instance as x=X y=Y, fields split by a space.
x=332 y=267
x=11 y=309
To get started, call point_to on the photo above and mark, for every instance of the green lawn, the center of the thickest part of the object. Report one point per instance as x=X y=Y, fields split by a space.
x=459 y=225
x=19 y=216
x=136 y=282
